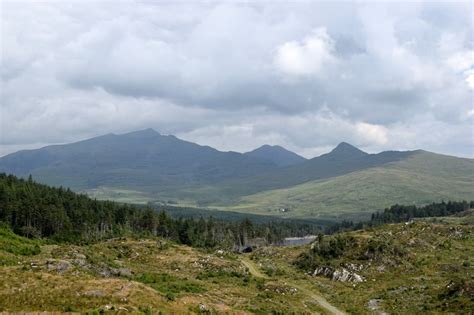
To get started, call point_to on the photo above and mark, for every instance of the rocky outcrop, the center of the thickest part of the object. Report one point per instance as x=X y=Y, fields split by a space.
x=59 y=266
x=338 y=274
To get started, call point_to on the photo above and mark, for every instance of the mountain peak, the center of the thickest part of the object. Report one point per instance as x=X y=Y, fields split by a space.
x=269 y=147
x=347 y=149
x=276 y=154
x=144 y=132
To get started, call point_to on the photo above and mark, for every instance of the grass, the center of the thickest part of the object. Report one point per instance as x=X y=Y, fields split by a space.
x=164 y=277
x=14 y=244
x=419 y=179
x=432 y=273
x=169 y=285
x=355 y=196
x=119 y=195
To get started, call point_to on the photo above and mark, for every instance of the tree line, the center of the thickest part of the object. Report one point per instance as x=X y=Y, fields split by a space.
x=35 y=210
x=400 y=213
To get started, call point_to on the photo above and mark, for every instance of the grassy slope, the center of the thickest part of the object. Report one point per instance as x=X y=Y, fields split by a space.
x=434 y=274
x=422 y=178
x=160 y=276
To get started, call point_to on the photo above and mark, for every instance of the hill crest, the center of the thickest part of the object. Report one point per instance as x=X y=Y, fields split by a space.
x=276 y=154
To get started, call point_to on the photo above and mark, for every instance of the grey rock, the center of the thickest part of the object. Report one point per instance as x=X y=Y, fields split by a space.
x=58 y=265
x=121 y=272
x=339 y=274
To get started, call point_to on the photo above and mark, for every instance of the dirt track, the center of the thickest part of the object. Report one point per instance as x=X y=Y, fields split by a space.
x=255 y=271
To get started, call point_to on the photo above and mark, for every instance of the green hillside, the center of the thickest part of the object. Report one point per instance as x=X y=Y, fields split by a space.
x=423 y=177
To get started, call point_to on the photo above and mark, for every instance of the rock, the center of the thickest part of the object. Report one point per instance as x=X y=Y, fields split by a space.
x=105 y=273
x=121 y=272
x=58 y=265
x=354 y=267
x=80 y=262
x=374 y=306
x=202 y=307
x=339 y=274
x=323 y=271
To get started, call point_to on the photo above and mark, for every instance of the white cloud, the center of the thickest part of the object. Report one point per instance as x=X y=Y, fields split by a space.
x=470 y=78
x=461 y=61
x=306 y=57
x=372 y=134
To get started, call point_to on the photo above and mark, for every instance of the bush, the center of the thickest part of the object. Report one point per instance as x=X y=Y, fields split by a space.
x=168 y=284
x=15 y=244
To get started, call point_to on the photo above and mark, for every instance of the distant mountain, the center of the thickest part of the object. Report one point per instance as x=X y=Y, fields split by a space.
x=420 y=178
x=345 y=183
x=133 y=160
x=276 y=154
x=346 y=150
x=343 y=159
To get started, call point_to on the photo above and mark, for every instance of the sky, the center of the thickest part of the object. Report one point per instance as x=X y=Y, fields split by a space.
x=236 y=75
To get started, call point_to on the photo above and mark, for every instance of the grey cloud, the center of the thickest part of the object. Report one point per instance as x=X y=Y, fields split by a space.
x=207 y=72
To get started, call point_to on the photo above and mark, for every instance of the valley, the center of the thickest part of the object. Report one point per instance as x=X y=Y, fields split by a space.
x=164 y=170
x=64 y=252
x=236 y=157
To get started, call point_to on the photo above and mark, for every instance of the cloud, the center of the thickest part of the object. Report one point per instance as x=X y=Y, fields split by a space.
x=307 y=57
x=236 y=76
x=372 y=134
x=470 y=78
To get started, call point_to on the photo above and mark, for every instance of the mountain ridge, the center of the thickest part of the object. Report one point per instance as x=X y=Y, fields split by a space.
x=156 y=158
x=276 y=154
x=152 y=167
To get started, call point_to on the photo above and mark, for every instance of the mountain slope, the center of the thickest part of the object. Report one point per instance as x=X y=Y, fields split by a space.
x=344 y=159
x=345 y=183
x=138 y=159
x=421 y=178
x=276 y=154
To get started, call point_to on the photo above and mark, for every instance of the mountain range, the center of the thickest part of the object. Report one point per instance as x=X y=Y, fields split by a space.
x=346 y=183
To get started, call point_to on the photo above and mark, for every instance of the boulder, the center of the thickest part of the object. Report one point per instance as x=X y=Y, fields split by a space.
x=58 y=265
x=338 y=274
x=121 y=272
